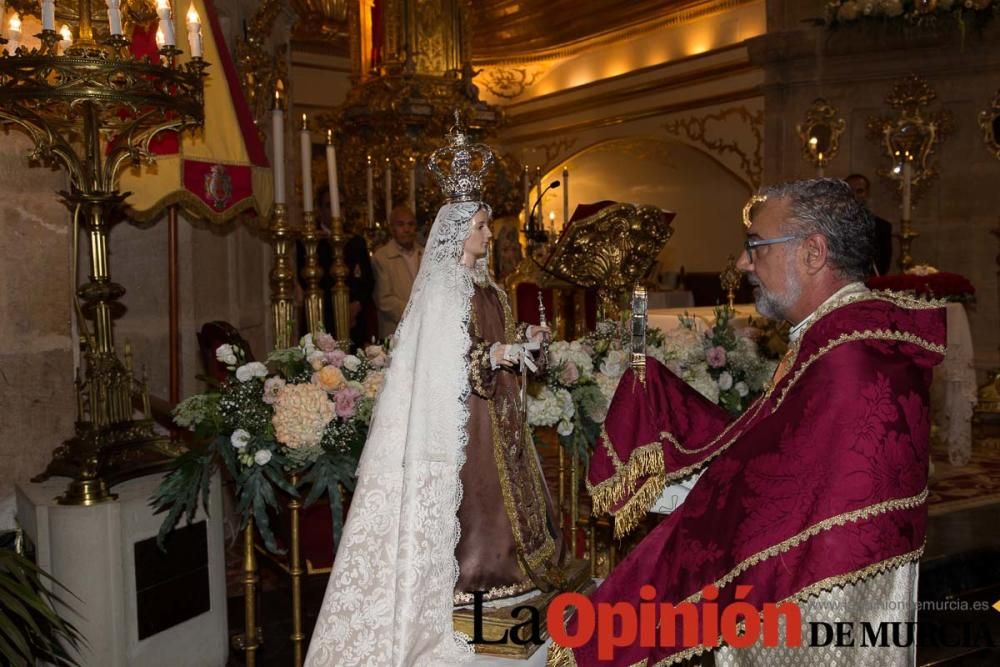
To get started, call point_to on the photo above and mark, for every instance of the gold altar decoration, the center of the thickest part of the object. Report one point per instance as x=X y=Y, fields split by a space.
x=401 y=105
x=731 y=277
x=820 y=134
x=611 y=251
x=261 y=68
x=92 y=108
x=908 y=138
x=989 y=122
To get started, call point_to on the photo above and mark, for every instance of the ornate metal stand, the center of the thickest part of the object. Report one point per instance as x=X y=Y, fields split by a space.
x=283 y=317
x=249 y=641
x=295 y=570
x=312 y=273
x=341 y=297
x=93 y=110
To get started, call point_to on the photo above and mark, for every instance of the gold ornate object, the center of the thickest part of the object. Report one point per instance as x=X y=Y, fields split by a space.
x=989 y=122
x=249 y=641
x=93 y=110
x=282 y=280
x=341 y=294
x=295 y=571
x=260 y=67
x=730 y=279
x=611 y=251
x=748 y=208
x=820 y=133
x=312 y=273
x=909 y=135
x=640 y=303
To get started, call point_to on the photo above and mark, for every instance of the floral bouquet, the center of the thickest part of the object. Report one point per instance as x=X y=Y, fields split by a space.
x=305 y=410
x=722 y=364
x=926 y=281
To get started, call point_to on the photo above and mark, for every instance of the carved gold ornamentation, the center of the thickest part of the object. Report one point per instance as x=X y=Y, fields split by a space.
x=989 y=122
x=611 y=250
x=698 y=130
x=510 y=82
x=730 y=279
x=321 y=22
x=260 y=70
x=555 y=149
x=911 y=131
x=820 y=133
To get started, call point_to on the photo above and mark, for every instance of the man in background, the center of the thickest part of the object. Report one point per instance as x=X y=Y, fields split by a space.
x=883 y=228
x=396 y=265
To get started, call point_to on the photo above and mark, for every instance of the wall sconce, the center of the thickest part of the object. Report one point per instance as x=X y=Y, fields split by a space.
x=989 y=121
x=820 y=134
x=908 y=139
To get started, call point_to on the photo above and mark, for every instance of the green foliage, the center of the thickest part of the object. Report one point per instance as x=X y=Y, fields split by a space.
x=30 y=628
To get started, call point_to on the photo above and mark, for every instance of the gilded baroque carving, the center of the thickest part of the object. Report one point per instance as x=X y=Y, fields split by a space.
x=910 y=131
x=989 y=122
x=820 y=133
x=554 y=149
x=259 y=69
x=698 y=129
x=509 y=82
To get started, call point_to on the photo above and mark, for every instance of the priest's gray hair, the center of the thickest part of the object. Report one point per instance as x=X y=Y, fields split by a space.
x=827 y=206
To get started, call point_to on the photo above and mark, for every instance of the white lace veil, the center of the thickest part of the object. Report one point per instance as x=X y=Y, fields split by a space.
x=389 y=599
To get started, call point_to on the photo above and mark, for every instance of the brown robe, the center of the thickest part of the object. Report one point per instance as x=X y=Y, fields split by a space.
x=509 y=532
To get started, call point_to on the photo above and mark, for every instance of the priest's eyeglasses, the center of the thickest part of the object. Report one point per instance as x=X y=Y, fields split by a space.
x=752 y=243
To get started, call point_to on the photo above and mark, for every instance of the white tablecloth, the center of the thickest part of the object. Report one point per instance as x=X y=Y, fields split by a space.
x=953 y=393
x=668 y=319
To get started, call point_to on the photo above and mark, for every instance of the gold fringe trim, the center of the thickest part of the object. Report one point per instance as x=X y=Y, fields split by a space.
x=814 y=530
x=560 y=656
x=644 y=462
x=633 y=512
x=816 y=589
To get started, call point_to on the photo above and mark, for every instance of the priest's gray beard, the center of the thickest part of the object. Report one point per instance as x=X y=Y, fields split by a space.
x=775 y=303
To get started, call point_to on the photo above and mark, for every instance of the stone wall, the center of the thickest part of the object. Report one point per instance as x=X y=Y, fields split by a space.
x=37 y=401
x=855 y=68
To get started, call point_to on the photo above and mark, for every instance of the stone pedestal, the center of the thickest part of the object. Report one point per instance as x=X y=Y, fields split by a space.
x=137 y=605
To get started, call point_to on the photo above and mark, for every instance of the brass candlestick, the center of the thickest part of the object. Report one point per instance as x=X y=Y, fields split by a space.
x=70 y=104
x=295 y=570
x=312 y=273
x=341 y=294
x=249 y=641
x=282 y=281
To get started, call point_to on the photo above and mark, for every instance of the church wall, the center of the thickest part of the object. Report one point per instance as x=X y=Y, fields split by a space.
x=855 y=70
x=686 y=137
x=37 y=401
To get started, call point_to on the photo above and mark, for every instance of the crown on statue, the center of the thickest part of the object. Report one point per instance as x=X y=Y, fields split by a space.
x=460 y=166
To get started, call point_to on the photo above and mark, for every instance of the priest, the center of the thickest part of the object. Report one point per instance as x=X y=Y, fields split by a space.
x=814 y=498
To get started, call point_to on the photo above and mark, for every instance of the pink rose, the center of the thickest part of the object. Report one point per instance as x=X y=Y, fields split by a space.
x=376 y=355
x=569 y=373
x=346 y=401
x=335 y=357
x=326 y=342
x=716 y=356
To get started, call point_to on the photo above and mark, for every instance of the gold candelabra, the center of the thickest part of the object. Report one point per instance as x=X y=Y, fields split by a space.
x=92 y=108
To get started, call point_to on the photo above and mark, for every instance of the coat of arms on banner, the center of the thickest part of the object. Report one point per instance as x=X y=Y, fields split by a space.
x=218 y=187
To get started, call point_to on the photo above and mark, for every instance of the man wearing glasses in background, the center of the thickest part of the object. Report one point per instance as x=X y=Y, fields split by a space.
x=815 y=495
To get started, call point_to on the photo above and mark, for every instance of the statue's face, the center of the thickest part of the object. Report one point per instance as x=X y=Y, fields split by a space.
x=479 y=235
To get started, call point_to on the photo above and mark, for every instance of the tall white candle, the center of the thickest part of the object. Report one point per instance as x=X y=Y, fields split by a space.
x=305 y=146
x=194 y=32
x=565 y=189
x=14 y=33
x=907 y=185
x=413 y=186
x=371 y=194
x=388 y=188
x=331 y=175
x=48 y=15
x=278 y=137
x=166 y=22
x=115 y=16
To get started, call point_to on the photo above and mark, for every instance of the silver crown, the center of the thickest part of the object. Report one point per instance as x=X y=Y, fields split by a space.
x=461 y=179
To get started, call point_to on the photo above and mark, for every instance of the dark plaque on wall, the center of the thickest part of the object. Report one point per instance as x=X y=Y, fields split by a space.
x=172 y=585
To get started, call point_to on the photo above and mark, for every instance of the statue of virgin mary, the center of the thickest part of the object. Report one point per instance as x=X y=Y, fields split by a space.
x=450 y=498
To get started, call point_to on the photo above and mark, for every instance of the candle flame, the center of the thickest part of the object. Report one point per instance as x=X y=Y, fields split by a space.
x=67 y=34
x=329 y=136
x=160 y=38
x=192 y=15
x=15 y=23
x=163 y=4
